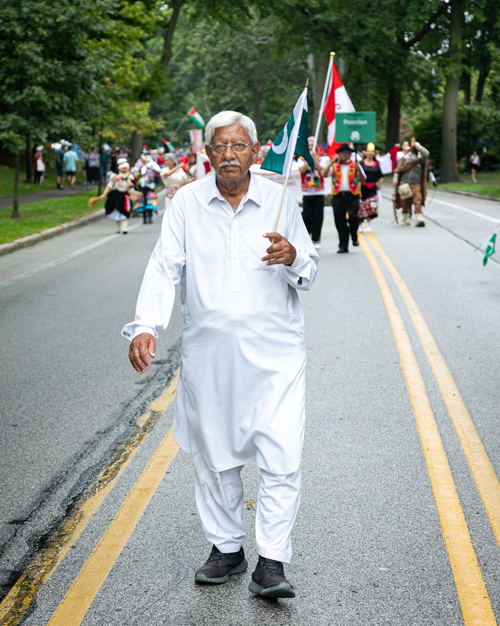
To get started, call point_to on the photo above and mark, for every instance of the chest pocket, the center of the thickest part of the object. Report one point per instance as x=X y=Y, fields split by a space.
x=256 y=248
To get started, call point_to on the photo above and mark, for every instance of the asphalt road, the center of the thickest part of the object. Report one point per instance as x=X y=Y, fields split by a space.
x=369 y=545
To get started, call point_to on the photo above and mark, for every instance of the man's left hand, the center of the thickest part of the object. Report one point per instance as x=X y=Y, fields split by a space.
x=280 y=250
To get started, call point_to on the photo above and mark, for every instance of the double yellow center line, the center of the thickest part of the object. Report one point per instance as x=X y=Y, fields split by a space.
x=472 y=593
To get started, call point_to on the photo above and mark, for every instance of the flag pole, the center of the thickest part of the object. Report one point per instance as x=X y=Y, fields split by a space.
x=180 y=124
x=323 y=99
x=284 y=189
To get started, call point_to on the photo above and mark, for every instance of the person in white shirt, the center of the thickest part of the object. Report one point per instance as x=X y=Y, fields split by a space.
x=39 y=166
x=241 y=393
x=475 y=163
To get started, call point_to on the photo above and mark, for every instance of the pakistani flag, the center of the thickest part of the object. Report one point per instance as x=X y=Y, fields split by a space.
x=489 y=245
x=195 y=117
x=292 y=140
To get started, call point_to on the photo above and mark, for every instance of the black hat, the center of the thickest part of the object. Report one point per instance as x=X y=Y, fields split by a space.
x=344 y=146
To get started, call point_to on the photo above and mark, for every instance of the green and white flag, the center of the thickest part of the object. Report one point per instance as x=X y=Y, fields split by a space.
x=292 y=140
x=195 y=117
x=489 y=245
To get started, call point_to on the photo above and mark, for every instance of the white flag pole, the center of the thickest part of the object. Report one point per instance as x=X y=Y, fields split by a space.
x=323 y=100
x=284 y=188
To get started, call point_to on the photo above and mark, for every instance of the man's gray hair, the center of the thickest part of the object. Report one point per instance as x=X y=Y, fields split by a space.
x=226 y=118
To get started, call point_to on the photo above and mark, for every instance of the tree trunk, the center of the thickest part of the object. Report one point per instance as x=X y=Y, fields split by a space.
x=169 y=34
x=449 y=172
x=467 y=97
x=256 y=109
x=15 y=200
x=393 y=116
x=481 y=82
x=100 y=161
x=29 y=161
x=137 y=143
x=323 y=60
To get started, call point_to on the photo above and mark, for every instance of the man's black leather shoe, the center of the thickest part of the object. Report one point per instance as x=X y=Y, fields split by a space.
x=220 y=566
x=355 y=243
x=342 y=250
x=269 y=580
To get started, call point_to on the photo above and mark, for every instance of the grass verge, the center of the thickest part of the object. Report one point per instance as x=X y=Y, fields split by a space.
x=38 y=216
x=481 y=190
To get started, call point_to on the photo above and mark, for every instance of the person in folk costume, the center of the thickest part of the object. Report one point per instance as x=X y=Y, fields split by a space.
x=173 y=177
x=118 y=204
x=144 y=172
x=313 y=193
x=347 y=176
x=241 y=392
x=191 y=168
x=412 y=170
x=368 y=207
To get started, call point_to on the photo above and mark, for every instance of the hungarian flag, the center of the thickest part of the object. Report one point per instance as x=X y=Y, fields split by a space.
x=337 y=102
x=292 y=140
x=489 y=245
x=195 y=117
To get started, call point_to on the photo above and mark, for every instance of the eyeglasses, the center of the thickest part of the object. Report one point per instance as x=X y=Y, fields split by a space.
x=220 y=148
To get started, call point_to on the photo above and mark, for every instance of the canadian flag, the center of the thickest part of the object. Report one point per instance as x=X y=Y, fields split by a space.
x=337 y=102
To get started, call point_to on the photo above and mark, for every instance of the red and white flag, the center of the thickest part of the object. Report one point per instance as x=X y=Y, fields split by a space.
x=337 y=102
x=388 y=162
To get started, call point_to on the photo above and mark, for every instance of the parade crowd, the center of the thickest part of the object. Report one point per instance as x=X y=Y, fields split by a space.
x=352 y=179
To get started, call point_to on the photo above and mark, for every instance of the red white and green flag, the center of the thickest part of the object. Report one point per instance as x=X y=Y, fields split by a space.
x=195 y=117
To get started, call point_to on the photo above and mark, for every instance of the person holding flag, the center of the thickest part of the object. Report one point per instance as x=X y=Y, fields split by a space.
x=347 y=176
x=241 y=392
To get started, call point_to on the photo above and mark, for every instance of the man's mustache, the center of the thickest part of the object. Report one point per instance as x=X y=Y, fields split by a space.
x=232 y=162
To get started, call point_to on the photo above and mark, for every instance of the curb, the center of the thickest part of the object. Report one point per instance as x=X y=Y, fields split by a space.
x=469 y=193
x=5 y=248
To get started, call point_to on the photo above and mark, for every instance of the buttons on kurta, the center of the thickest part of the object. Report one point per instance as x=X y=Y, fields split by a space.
x=235 y=255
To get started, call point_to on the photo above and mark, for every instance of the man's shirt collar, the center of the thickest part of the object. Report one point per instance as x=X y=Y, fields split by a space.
x=253 y=193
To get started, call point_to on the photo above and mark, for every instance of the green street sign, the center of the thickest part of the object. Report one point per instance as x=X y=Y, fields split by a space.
x=355 y=127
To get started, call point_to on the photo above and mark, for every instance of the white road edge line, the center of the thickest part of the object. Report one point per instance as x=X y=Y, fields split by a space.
x=68 y=257
x=457 y=206
x=461 y=208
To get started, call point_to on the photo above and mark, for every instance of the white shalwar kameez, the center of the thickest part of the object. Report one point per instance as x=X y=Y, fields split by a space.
x=241 y=392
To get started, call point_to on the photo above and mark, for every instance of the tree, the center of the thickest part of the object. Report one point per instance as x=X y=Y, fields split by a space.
x=42 y=68
x=449 y=172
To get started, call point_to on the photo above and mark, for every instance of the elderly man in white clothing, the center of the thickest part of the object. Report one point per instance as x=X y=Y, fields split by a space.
x=240 y=397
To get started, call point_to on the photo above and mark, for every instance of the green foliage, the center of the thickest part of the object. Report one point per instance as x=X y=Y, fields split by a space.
x=238 y=66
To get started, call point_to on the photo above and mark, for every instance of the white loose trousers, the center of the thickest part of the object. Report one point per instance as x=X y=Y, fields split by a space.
x=219 y=498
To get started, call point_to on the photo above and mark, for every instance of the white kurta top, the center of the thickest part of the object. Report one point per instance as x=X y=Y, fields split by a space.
x=241 y=392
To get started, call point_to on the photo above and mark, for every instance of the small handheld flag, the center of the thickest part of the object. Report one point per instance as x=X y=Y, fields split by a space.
x=292 y=140
x=489 y=245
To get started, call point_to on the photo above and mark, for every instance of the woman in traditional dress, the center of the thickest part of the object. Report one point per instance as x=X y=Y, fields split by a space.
x=173 y=177
x=144 y=172
x=118 y=204
x=368 y=206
